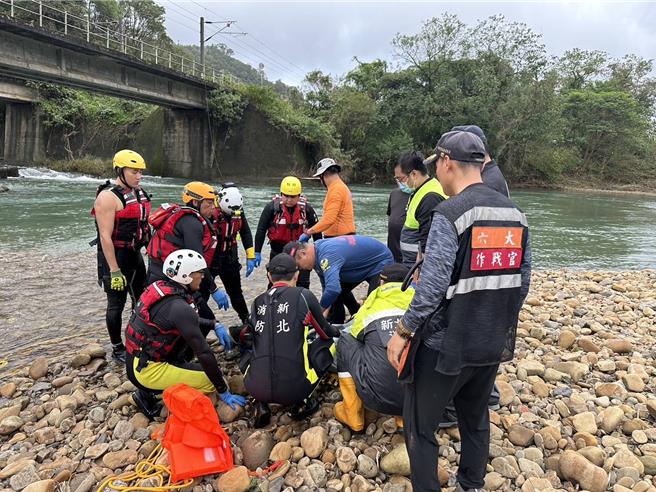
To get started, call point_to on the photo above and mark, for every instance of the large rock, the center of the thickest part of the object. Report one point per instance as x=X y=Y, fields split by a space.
x=532 y=367
x=620 y=346
x=14 y=467
x=633 y=382
x=506 y=393
x=7 y=390
x=611 y=418
x=649 y=464
x=39 y=368
x=256 y=449
x=367 y=467
x=577 y=469
x=314 y=441
x=585 y=422
x=281 y=452
x=41 y=486
x=24 y=477
x=626 y=459
x=566 y=339
x=534 y=484
x=235 y=480
x=609 y=389
x=79 y=360
x=520 y=435
x=120 y=459
x=227 y=414
x=576 y=370
x=10 y=424
x=347 y=461
x=594 y=455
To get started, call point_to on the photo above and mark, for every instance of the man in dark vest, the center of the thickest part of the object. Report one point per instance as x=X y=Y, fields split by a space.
x=291 y=341
x=121 y=213
x=491 y=174
x=462 y=321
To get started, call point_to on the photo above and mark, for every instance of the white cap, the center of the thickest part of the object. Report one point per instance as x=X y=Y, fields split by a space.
x=324 y=164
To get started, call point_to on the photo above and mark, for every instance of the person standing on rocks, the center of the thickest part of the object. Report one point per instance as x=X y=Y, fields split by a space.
x=396 y=207
x=164 y=324
x=187 y=227
x=285 y=362
x=342 y=264
x=121 y=214
x=285 y=219
x=230 y=222
x=426 y=194
x=491 y=174
x=462 y=321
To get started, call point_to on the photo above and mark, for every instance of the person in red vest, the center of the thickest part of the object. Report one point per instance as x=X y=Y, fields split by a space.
x=121 y=215
x=187 y=226
x=165 y=325
x=229 y=221
x=283 y=220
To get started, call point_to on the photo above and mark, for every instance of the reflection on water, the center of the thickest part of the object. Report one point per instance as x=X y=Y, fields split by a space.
x=48 y=211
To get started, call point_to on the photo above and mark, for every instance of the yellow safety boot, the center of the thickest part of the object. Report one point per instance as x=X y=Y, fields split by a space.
x=350 y=410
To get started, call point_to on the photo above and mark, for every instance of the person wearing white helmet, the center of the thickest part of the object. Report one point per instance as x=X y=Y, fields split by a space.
x=229 y=221
x=163 y=325
x=121 y=210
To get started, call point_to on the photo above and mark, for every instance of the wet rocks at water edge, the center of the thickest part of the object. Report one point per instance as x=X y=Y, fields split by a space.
x=578 y=412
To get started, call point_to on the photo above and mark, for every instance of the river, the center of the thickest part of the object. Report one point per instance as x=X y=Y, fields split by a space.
x=50 y=303
x=47 y=211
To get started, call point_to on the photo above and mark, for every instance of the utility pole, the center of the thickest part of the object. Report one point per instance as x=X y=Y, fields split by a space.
x=202 y=42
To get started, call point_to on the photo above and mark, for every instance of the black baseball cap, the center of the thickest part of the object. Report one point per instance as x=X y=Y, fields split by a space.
x=394 y=272
x=476 y=130
x=460 y=146
x=282 y=264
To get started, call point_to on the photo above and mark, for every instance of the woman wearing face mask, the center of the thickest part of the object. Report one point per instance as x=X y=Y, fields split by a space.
x=426 y=192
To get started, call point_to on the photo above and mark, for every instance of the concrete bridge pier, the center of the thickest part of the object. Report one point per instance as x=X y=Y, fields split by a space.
x=24 y=135
x=187 y=143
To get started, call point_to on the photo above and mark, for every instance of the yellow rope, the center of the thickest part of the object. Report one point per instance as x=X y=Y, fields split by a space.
x=145 y=470
x=3 y=363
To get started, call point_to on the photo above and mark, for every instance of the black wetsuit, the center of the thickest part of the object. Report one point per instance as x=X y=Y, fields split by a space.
x=396 y=206
x=266 y=220
x=174 y=313
x=189 y=232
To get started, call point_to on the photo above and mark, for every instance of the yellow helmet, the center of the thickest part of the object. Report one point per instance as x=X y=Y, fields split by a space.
x=128 y=158
x=291 y=186
x=197 y=190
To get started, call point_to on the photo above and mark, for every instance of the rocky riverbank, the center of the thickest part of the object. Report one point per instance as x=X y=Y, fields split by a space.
x=578 y=411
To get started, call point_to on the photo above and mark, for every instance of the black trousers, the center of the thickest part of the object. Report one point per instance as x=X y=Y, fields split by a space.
x=132 y=266
x=424 y=401
x=346 y=299
x=226 y=266
x=303 y=275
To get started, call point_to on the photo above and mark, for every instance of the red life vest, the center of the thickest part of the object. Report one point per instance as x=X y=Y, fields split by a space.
x=143 y=338
x=286 y=226
x=130 y=224
x=165 y=242
x=227 y=229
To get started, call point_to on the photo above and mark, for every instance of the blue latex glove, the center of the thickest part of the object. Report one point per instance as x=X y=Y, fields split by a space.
x=304 y=238
x=232 y=400
x=250 y=266
x=258 y=259
x=223 y=336
x=221 y=299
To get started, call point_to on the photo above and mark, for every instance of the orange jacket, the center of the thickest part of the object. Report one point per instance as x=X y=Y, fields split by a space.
x=338 y=218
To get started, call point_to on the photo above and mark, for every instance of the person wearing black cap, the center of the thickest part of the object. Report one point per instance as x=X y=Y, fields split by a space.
x=366 y=379
x=491 y=173
x=292 y=344
x=462 y=320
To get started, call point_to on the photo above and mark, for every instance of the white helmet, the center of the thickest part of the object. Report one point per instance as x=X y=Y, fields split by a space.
x=180 y=264
x=230 y=200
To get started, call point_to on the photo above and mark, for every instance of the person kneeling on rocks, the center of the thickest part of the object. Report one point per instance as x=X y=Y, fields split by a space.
x=366 y=378
x=291 y=344
x=163 y=326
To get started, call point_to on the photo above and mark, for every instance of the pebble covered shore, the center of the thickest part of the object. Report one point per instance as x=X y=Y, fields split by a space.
x=578 y=411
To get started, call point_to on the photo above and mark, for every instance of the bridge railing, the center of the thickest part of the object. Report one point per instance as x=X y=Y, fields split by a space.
x=38 y=13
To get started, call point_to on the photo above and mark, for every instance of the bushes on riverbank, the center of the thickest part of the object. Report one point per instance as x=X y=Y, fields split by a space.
x=90 y=166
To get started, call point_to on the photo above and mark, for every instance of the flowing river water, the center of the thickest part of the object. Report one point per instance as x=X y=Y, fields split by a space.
x=50 y=303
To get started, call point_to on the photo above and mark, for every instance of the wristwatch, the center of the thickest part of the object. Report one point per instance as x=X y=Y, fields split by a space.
x=402 y=331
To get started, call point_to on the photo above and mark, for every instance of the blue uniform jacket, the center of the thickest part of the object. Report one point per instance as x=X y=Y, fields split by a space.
x=349 y=259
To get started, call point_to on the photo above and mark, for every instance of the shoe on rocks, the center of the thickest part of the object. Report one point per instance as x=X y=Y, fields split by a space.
x=262 y=416
x=147 y=403
x=118 y=353
x=459 y=488
x=305 y=409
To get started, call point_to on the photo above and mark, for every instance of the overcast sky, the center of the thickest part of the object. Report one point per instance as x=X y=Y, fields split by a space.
x=292 y=38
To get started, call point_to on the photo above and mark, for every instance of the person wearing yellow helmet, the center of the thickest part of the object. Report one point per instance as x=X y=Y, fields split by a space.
x=121 y=210
x=283 y=220
x=187 y=226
